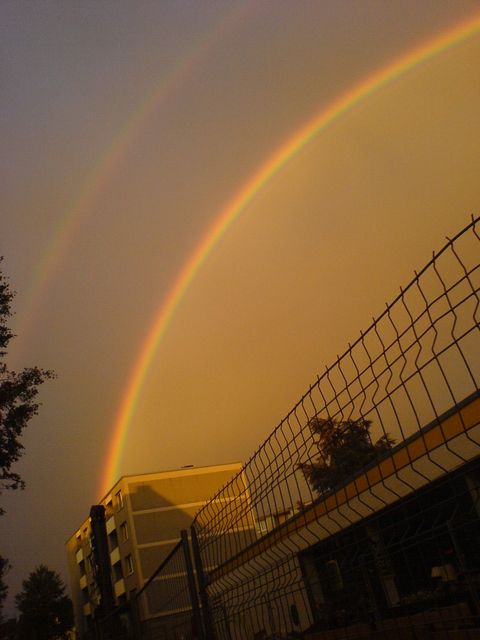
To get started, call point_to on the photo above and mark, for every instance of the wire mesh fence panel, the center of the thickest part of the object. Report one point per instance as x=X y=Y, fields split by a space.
x=164 y=604
x=394 y=415
x=414 y=566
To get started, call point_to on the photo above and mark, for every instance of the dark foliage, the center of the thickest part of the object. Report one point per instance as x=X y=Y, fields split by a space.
x=345 y=447
x=18 y=393
x=4 y=568
x=46 y=613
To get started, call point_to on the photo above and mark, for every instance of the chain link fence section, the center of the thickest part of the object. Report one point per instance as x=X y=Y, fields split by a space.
x=395 y=413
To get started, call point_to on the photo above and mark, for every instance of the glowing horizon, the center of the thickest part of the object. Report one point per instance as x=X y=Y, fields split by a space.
x=239 y=202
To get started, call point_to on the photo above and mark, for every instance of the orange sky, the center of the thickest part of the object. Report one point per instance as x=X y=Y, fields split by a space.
x=297 y=276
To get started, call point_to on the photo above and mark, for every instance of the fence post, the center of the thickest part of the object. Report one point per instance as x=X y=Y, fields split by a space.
x=192 y=588
x=135 y=618
x=202 y=587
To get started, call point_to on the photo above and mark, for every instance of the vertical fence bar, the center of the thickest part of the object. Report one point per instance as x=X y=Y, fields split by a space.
x=207 y=628
x=197 y=628
x=135 y=618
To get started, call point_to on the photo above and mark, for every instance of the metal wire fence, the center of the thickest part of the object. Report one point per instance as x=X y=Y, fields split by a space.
x=359 y=516
x=167 y=605
x=362 y=504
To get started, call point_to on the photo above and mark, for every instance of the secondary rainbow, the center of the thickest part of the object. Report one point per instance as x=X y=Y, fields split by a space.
x=98 y=177
x=263 y=174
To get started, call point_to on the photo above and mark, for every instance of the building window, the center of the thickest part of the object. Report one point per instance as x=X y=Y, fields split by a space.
x=119 y=500
x=129 y=564
x=117 y=572
x=264 y=525
x=113 y=540
x=124 y=531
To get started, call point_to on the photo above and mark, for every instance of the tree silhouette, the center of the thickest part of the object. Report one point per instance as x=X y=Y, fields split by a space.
x=18 y=393
x=345 y=447
x=46 y=613
x=4 y=568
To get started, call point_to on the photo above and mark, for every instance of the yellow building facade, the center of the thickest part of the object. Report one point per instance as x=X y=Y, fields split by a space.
x=144 y=515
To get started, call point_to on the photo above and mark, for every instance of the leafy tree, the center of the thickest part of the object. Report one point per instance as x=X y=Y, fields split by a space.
x=46 y=613
x=345 y=447
x=18 y=393
x=4 y=567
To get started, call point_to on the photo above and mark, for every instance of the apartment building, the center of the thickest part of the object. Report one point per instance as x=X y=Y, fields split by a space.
x=144 y=515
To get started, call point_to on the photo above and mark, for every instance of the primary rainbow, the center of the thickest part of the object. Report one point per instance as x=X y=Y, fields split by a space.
x=263 y=174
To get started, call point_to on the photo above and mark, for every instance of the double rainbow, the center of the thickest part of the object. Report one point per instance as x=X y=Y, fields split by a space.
x=240 y=201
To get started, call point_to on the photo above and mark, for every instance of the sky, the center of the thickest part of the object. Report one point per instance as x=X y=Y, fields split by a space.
x=128 y=130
